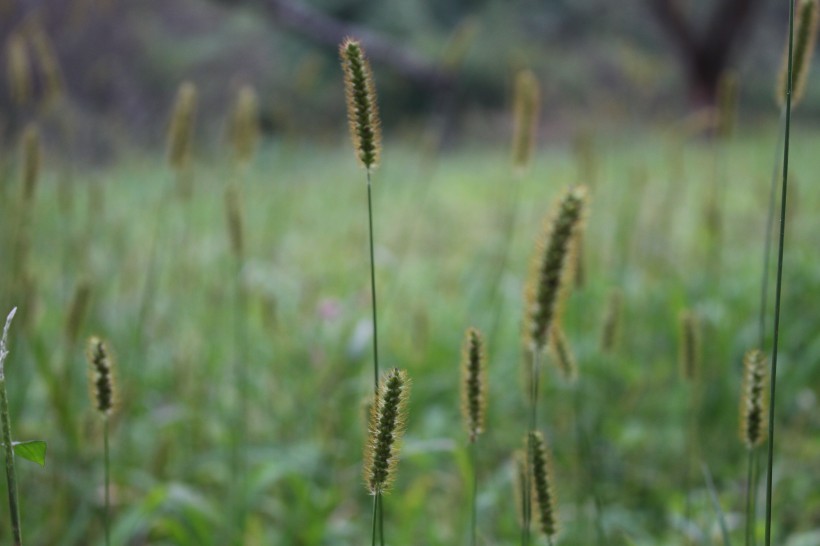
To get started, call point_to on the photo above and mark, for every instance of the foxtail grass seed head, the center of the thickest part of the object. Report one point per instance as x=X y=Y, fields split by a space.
x=387 y=422
x=245 y=124
x=19 y=69
x=542 y=480
x=550 y=267
x=526 y=108
x=473 y=383
x=689 y=345
x=102 y=375
x=31 y=162
x=4 y=347
x=77 y=311
x=180 y=134
x=48 y=62
x=562 y=354
x=234 y=216
x=753 y=401
x=805 y=35
x=727 y=104
x=612 y=322
x=362 y=110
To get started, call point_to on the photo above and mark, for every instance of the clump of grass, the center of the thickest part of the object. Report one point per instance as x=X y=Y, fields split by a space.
x=473 y=402
x=753 y=427
x=365 y=131
x=103 y=394
x=542 y=485
x=8 y=446
x=388 y=416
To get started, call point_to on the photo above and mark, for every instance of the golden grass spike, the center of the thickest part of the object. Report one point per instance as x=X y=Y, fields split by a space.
x=31 y=163
x=753 y=401
x=526 y=107
x=245 y=124
x=234 y=216
x=102 y=375
x=727 y=104
x=48 y=62
x=77 y=311
x=550 y=266
x=805 y=36
x=473 y=383
x=19 y=69
x=612 y=322
x=562 y=354
x=542 y=483
x=362 y=110
x=689 y=345
x=387 y=422
x=180 y=134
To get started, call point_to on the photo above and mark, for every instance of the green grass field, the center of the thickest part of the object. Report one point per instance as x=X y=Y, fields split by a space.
x=444 y=261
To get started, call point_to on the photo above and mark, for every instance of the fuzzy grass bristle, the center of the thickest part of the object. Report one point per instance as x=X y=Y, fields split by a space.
x=180 y=133
x=245 y=124
x=805 y=36
x=473 y=383
x=753 y=403
x=689 y=345
x=388 y=416
x=362 y=110
x=102 y=375
x=562 y=354
x=542 y=485
x=550 y=267
x=526 y=108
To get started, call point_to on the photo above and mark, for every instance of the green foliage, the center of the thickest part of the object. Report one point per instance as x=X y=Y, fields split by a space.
x=32 y=450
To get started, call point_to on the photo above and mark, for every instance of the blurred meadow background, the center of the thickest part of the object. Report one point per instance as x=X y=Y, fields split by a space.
x=231 y=281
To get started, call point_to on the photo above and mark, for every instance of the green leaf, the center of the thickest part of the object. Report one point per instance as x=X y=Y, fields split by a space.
x=34 y=451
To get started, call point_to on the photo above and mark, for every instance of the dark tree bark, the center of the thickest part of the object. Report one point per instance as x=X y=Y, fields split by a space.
x=329 y=32
x=705 y=54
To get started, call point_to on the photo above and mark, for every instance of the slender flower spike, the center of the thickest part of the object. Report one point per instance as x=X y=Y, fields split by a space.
x=387 y=421
x=804 y=38
x=473 y=383
x=245 y=124
x=525 y=118
x=102 y=379
x=362 y=111
x=562 y=354
x=549 y=269
x=544 y=496
x=753 y=415
x=180 y=134
x=689 y=345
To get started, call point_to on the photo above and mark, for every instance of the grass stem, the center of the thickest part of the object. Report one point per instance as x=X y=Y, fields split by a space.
x=373 y=285
x=779 y=282
x=474 y=503
x=8 y=446
x=106 y=464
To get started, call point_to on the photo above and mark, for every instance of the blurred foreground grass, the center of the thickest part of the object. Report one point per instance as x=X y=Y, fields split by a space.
x=440 y=238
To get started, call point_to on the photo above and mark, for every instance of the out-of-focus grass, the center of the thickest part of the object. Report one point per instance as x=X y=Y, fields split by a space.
x=438 y=241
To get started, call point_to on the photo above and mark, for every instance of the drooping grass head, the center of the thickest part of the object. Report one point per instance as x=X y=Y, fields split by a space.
x=551 y=263
x=362 y=110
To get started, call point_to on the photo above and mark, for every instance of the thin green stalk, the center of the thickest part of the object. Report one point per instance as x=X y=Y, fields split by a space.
x=767 y=241
x=107 y=515
x=381 y=518
x=779 y=284
x=11 y=479
x=534 y=372
x=755 y=472
x=373 y=285
x=375 y=509
x=474 y=519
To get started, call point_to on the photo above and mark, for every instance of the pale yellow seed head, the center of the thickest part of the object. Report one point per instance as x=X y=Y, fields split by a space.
x=805 y=36
x=19 y=68
x=526 y=108
x=245 y=124
x=180 y=134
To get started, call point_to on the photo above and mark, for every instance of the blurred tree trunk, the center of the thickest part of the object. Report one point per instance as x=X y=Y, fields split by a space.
x=705 y=50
